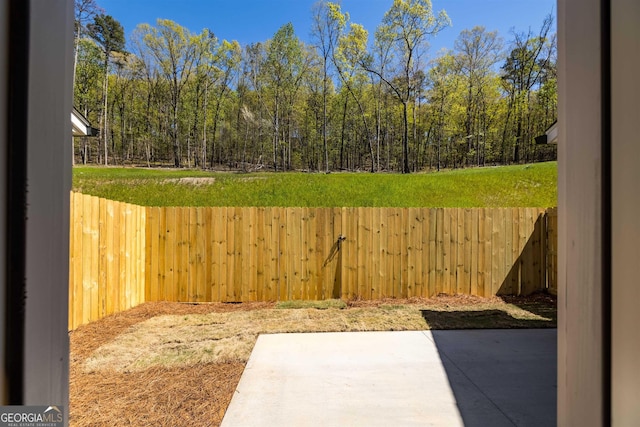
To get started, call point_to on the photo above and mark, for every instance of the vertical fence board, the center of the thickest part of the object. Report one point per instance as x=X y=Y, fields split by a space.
x=374 y=276
x=284 y=273
x=207 y=260
x=270 y=284
x=513 y=261
x=467 y=259
x=531 y=281
x=151 y=277
x=488 y=263
x=179 y=271
x=403 y=254
x=301 y=239
x=432 y=286
x=136 y=223
x=552 y=253
x=238 y=259
x=497 y=250
x=225 y=252
x=410 y=246
x=140 y=244
x=475 y=251
x=111 y=272
x=423 y=259
x=129 y=284
x=72 y=281
x=142 y=254
x=323 y=265
x=305 y=292
x=227 y=255
x=509 y=262
x=114 y=273
x=452 y=268
x=290 y=254
x=176 y=249
x=383 y=272
x=250 y=273
x=167 y=251
x=216 y=244
x=369 y=284
x=197 y=255
x=95 y=258
x=84 y=306
x=314 y=254
x=102 y=261
x=460 y=251
x=360 y=266
x=446 y=251
x=277 y=282
x=190 y=242
x=337 y=224
x=260 y=250
x=78 y=225
x=120 y=252
x=481 y=248
x=345 y=247
x=396 y=258
x=132 y=231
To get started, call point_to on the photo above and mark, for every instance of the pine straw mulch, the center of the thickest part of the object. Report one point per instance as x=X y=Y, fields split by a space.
x=194 y=395
x=178 y=396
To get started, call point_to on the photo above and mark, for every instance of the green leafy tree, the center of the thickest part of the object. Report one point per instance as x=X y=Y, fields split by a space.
x=444 y=100
x=174 y=49
x=327 y=26
x=350 y=53
x=476 y=53
x=282 y=70
x=84 y=12
x=409 y=23
x=227 y=58
x=109 y=34
x=522 y=71
x=88 y=87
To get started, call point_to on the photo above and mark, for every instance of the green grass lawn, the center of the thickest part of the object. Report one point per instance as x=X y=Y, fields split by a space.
x=533 y=185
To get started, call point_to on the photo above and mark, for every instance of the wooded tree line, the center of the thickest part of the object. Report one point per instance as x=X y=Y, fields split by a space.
x=347 y=100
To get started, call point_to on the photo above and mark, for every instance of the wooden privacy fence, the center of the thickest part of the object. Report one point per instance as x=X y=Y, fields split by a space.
x=107 y=258
x=552 y=251
x=261 y=254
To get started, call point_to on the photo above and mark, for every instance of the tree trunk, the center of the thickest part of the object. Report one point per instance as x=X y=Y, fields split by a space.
x=405 y=139
x=174 y=135
x=342 y=134
x=105 y=127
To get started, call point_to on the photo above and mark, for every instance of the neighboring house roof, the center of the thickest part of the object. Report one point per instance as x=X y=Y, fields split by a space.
x=80 y=126
x=550 y=136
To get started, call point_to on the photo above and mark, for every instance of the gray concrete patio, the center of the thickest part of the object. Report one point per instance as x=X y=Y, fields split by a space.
x=416 y=378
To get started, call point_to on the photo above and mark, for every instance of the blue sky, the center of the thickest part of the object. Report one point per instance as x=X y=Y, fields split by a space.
x=249 y=21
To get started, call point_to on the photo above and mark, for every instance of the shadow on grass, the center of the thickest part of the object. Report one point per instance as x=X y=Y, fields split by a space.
x=485 y=319
x=540 y=304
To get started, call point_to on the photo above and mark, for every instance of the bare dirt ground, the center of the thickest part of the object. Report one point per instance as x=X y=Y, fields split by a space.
x=179 y=364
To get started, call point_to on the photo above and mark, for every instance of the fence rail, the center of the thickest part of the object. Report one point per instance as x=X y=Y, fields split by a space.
x=259 y=254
